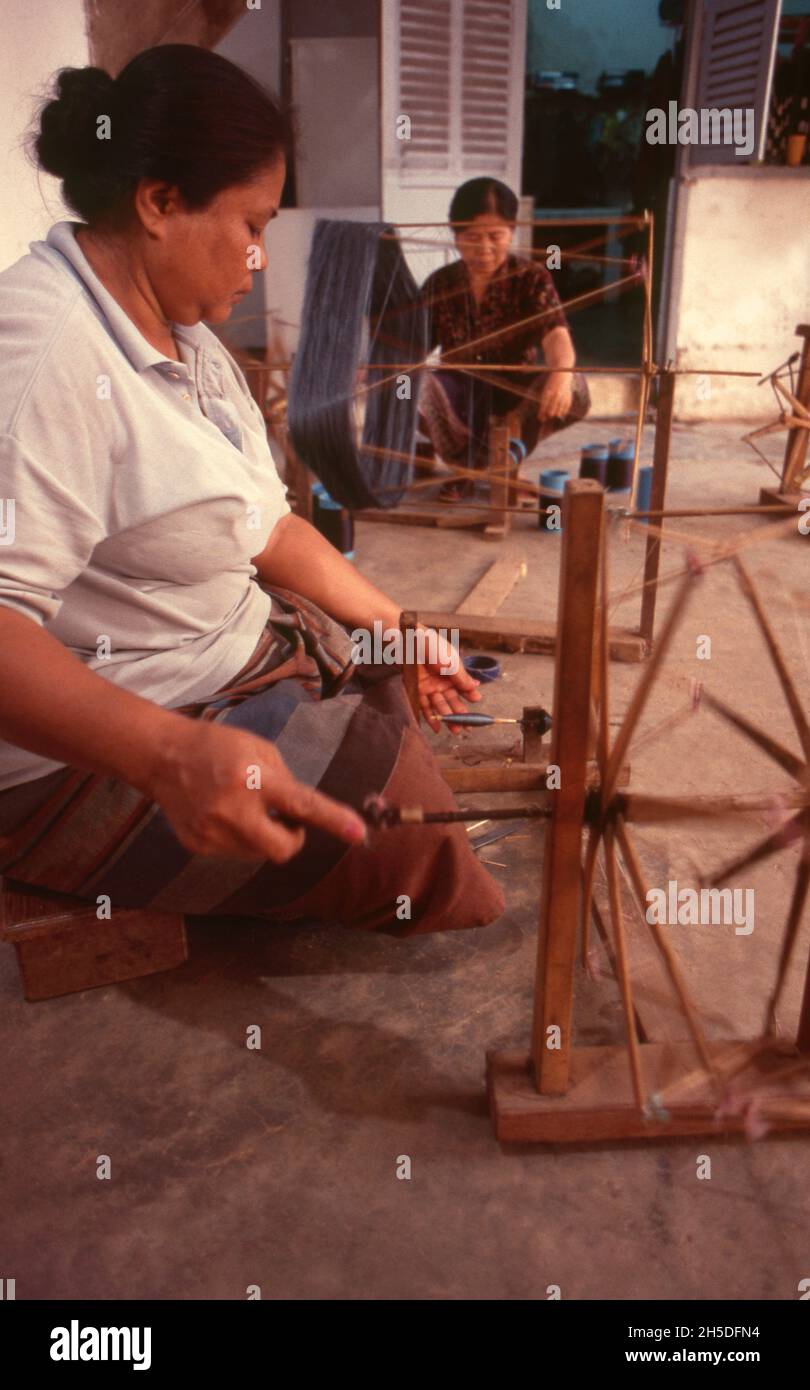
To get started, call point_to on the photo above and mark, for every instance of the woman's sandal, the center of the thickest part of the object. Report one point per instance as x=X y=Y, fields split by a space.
x=458 y=490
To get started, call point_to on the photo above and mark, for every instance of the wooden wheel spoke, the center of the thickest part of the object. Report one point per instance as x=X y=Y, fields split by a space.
x=664 y=726
x=777 y=656
x=623 y=968
x=639 y=808
x=794 y=917
x=677 y=981
x=762 y=850
x=644 y=686
x=777 y=751
x=588 y=871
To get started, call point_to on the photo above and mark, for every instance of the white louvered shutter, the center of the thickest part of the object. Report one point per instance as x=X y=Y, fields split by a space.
x=425 y=83
x=487 y=97
x=455 y=68
x=738 y=46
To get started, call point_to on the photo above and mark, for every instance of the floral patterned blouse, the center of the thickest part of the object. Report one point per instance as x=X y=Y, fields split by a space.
x=517 y=290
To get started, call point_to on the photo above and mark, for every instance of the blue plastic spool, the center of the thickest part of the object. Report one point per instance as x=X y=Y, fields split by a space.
x=484 y=668
x=644 y=491
x=551 y=480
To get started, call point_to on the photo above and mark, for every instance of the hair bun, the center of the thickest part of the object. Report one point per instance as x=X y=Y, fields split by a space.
x=67 y=137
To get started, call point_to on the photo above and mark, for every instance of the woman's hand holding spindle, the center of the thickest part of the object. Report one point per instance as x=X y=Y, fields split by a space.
x=445 y=687
x=228 y=792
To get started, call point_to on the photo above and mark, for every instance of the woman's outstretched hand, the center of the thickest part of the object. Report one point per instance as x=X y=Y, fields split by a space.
x=228 y=792
x=443 y=689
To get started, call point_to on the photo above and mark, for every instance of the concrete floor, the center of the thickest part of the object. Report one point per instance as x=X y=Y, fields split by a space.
x=278 y=1167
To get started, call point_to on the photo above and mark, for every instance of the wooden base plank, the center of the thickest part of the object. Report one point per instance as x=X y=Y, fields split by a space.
x=768 y=496
x=511 y=777
x=498 y=581
x=599 y=1103
x=62 y=947
x=526 y=635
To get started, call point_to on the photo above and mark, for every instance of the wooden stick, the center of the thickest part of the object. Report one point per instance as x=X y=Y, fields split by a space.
x=794 y=917
x=603 y=743
x=622 y=968
x=639 y=807
x=671 y=721
x=495 y=334
x=763 y=849
x=629 y=221
x=642 y=690
x=781 y=755
x=668 y=957
x=652 y=557
x=785 y=679
x=408 y=622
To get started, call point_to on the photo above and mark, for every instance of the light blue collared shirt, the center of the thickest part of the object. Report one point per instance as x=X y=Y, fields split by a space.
x=134 y=489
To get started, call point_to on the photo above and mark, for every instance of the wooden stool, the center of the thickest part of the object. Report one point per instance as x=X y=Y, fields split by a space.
x=63 y=947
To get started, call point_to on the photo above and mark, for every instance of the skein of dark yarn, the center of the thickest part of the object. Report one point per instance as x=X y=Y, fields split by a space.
x=359 y=290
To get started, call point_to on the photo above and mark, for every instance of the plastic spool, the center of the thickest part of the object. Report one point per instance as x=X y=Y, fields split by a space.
x=334 y=522
x=644 y=491
x=551 y=480
x=619 y=476
x=484 y=668
x=593 y=462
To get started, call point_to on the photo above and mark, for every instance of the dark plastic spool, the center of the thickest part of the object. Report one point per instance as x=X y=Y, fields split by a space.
x=334 y=522
x=593 y=462
x=620 y=466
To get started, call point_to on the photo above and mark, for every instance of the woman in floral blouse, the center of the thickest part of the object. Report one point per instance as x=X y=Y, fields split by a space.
x=478 y=307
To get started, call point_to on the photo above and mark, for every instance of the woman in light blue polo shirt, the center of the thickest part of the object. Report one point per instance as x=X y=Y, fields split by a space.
x=181 y=725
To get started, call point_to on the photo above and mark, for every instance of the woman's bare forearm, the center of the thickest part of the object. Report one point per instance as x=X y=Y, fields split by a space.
x=298 y=557
x=52 y=704
x=558 y=348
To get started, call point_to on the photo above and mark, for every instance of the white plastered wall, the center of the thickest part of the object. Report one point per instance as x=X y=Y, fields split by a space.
x=742 y=284
x=36 y=40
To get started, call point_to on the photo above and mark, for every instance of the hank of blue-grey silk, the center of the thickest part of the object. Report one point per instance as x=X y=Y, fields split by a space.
x=362 y=307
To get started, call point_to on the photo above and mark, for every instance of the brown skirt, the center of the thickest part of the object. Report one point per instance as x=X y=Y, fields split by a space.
x=347 y=730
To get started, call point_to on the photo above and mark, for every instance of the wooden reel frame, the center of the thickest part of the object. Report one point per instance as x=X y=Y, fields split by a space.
x=557 y=1092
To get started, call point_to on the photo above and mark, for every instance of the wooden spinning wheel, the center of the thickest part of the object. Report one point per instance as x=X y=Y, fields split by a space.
x=558 y=1092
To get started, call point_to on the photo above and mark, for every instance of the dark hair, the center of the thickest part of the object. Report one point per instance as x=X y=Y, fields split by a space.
x=177 y=112
x=478 y=196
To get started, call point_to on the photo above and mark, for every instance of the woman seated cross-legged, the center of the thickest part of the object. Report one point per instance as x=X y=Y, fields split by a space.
x=182 y=723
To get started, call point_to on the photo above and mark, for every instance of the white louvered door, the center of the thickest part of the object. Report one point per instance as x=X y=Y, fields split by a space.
x=455 y=69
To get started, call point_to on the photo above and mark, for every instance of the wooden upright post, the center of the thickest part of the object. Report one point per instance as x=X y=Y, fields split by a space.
x=583 y=507
x=410 y=669
x=499 y=463
x=798 y=439
x=663 y=435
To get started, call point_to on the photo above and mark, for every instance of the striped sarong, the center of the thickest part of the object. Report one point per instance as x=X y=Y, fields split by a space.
x=345 y=729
